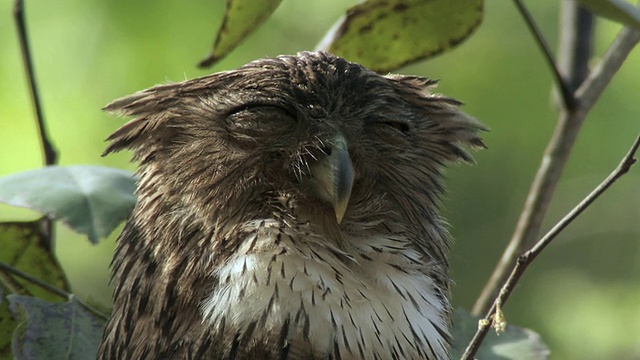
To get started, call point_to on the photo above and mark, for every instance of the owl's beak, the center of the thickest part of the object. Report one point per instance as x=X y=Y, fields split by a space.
x=334 y=175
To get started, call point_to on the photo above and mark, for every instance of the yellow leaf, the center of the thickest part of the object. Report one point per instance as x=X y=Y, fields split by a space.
x=25 y=247
x=241 y=18
x=385 y=35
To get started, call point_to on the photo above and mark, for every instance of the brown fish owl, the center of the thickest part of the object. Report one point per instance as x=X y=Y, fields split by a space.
x=286 y=210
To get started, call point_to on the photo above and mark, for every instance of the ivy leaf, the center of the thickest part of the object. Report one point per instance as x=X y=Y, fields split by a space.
x=25 y=247
x=92 y=200
x=241 y=18
x=385 y=35
x=616 y=10
x=54 y=330
x=514 y=343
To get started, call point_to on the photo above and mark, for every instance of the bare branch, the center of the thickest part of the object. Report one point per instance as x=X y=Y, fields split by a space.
x=553 y=162
x=8 y=269
x=575 y=43
x=50 y=154
x=565 y=90
x=589 y=92
x=527 y=258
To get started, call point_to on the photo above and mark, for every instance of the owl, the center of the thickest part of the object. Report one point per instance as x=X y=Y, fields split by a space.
x=287 y=209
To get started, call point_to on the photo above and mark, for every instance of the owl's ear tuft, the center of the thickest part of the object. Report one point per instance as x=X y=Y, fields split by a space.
x=460 y=133
x=150 y=108
x=124 y=137
x=122 y=106
x=146 y=101
x=447 y=124
x=416 y=84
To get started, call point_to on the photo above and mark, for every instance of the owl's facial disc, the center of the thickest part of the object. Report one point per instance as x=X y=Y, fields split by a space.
x=332 y=176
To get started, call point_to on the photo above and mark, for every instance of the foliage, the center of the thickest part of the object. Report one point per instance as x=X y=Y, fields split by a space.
x=54 y=330
x=92 y=200
x=384 y=35
x=240 y=19
x=24 y=246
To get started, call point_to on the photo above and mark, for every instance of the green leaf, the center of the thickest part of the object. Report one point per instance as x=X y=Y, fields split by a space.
x=515 y=343
x=92 y=200
x=241 y=18
x=7 y=326
x=25 y=247
x=54 y=330
x=616 y=10
x=385 y=35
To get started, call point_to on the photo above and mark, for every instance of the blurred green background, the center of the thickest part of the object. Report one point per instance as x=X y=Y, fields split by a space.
x=582 y=295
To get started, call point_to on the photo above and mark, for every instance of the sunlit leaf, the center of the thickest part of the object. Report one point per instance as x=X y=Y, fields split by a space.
x=515 y=343
x=54 y=330
x=92 y=200
x=25 y=247
x=241 y=18
x=616 y=10
x=385 y=35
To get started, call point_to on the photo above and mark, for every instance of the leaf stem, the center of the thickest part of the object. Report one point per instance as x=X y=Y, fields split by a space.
x=50 y=154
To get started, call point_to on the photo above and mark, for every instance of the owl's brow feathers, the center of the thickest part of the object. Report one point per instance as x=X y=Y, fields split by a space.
x=286 y=210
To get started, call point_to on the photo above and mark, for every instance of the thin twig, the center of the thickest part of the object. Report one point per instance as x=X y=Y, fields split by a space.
x=50 y=155
x=554 y=159
x=4 y=267
x=527 y=258
x=35 y=281
x=9 y=283
x=567 y=93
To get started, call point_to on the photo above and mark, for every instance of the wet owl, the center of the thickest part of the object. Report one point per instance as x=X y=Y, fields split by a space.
x=287 y=209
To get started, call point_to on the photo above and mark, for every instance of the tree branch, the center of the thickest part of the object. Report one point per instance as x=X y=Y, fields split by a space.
x=565 y=89
x=591 y=89
x=50 y=155
x=6 y=268
x=575 y=43
x=554 y=159
x=527 y=258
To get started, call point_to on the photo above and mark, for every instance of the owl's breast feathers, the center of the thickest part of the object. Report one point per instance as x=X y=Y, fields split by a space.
x=288 y=287
x=286 y=210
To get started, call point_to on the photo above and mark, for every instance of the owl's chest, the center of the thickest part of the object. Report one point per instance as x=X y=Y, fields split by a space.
x=358 y=309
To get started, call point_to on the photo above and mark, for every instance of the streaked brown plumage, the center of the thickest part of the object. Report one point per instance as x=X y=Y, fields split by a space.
x=286 y=210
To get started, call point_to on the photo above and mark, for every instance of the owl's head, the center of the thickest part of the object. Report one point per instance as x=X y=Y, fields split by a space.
x=331 y=140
